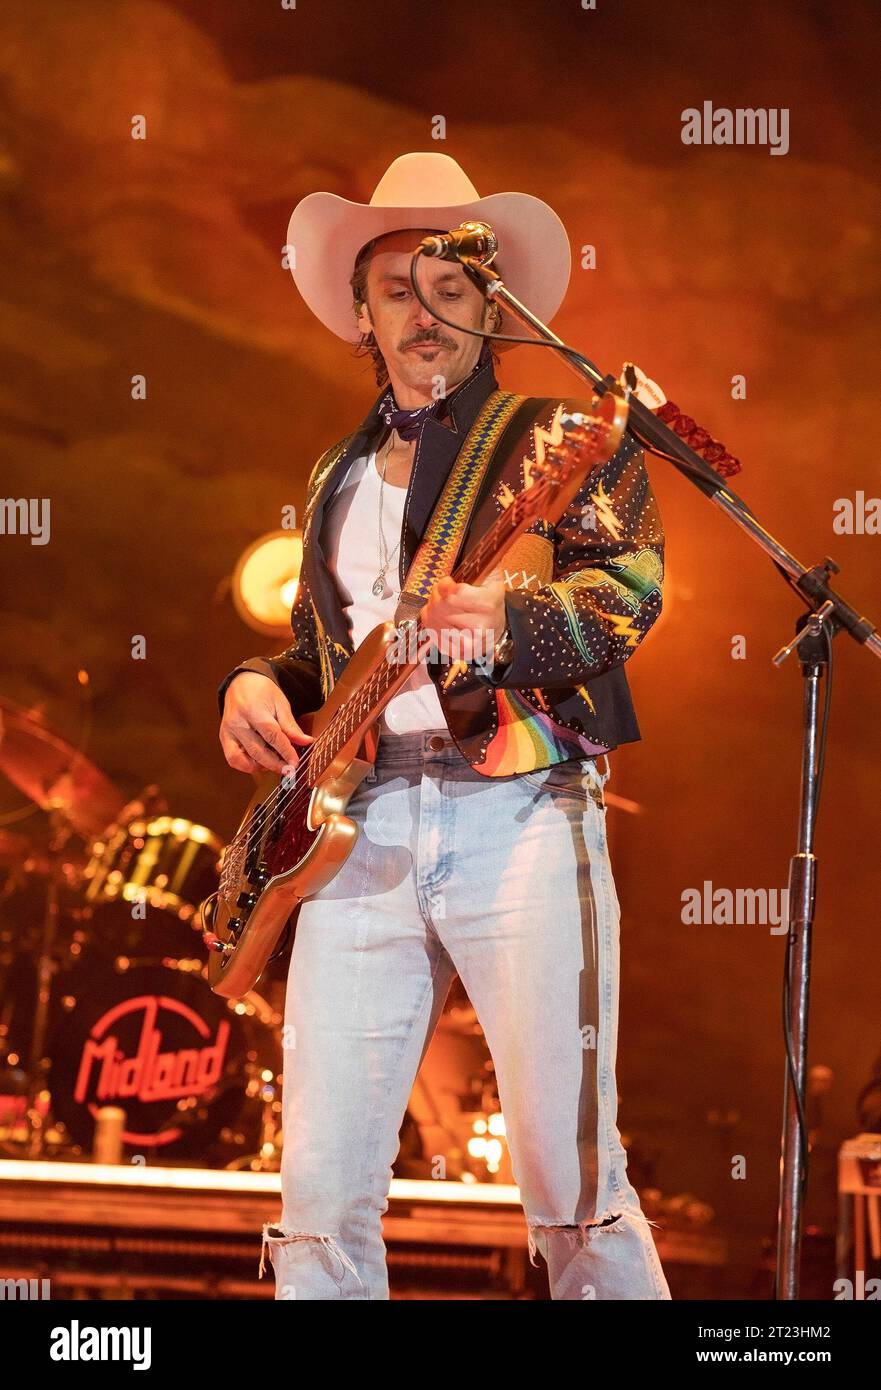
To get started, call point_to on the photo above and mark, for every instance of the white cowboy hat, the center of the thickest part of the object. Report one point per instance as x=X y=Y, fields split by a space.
x=430 y=190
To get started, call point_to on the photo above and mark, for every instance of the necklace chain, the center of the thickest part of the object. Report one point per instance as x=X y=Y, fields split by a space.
x=385 y=559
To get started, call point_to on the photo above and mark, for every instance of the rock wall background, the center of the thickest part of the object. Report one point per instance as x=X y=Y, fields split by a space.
x=162 y=257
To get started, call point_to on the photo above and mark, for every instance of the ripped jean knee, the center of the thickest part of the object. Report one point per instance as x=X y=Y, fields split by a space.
x=276 y=1238
x=578 y=1233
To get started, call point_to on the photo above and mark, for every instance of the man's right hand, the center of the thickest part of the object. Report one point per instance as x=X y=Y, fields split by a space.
x=258 y=730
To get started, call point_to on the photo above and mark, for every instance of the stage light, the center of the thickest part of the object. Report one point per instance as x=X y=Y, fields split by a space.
x=265 y=582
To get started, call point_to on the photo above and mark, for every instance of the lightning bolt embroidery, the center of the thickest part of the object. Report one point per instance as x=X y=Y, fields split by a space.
x=317 y=481
x=455 y=669
x=582 y=691
x=606 y=512
x=622 y=627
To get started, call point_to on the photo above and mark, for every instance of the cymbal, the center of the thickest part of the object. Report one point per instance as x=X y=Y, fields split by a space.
x=20 y=850
x=54 y=774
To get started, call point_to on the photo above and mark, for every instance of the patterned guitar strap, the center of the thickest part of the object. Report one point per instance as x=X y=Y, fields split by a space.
x=439 y=547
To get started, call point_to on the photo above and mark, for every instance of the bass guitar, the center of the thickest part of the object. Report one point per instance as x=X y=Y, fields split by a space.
x=295 y=834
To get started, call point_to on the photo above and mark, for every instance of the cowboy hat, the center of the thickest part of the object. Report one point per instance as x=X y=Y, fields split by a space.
x=430 y=190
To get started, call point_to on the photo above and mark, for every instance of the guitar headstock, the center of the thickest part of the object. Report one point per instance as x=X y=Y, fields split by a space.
x=589 y=439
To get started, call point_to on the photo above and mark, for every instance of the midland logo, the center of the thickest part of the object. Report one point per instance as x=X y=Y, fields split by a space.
x=148 y=1074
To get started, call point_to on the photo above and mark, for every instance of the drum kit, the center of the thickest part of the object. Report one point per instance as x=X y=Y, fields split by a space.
x=105 y=1009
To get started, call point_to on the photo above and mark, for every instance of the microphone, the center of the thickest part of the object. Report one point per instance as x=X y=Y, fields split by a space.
x=474 y=239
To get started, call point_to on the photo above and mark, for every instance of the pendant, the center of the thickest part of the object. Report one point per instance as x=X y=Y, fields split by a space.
x=379 y=586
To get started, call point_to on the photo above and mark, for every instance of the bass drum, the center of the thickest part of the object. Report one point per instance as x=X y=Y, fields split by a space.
x=198 y=1076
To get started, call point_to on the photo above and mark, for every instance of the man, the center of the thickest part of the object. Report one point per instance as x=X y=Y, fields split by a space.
x=482 y=845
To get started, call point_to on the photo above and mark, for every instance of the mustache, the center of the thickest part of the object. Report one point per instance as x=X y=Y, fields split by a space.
x=430 y=338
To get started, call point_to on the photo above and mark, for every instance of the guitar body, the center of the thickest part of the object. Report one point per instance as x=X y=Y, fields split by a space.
x=292 y=840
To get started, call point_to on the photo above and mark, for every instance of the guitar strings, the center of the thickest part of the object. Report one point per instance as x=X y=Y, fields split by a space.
x=297 y=793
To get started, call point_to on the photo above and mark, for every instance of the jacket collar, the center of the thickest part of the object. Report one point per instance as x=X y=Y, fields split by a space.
x=437 y=446
x=465 y=402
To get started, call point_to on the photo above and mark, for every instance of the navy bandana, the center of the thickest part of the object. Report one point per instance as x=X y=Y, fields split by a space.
x=408 y=423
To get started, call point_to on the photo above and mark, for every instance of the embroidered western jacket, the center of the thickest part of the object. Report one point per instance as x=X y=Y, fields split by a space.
x=593 y=591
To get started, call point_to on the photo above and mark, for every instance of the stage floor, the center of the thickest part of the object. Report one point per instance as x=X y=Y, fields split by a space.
x=107 y=1231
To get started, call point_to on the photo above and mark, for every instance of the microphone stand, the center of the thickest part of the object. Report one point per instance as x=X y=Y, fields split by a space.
x=827 y=615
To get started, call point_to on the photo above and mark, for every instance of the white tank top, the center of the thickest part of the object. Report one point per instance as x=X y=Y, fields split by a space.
x=350 y=540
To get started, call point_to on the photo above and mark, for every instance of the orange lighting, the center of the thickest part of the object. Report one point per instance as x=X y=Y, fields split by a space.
x=265 y=582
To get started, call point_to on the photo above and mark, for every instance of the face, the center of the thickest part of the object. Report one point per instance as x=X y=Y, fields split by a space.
x=416 y=347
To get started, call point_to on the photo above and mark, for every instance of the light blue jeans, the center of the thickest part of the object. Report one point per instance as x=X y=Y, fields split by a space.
x=508 y=882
